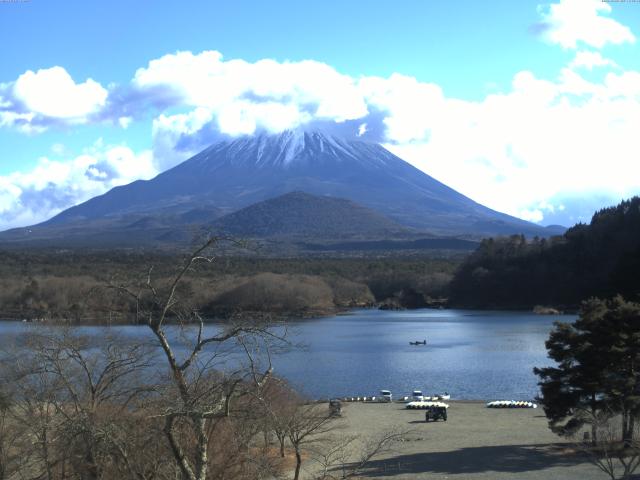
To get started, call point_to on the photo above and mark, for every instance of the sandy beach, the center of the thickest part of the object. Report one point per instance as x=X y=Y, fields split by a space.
x=475 y=443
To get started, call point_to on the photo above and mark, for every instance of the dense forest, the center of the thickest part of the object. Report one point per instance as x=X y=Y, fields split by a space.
x=74 y=286
x=599 y=259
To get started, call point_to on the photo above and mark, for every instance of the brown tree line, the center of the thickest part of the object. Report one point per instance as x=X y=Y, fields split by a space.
x=65 y=286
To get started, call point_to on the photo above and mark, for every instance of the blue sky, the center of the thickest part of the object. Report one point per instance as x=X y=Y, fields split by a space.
x=527 y=107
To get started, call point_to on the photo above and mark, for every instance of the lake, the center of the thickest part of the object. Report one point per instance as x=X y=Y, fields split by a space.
x=470 y=354
x=481 y=355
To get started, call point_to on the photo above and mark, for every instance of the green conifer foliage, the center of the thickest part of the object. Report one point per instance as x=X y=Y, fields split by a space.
x=598 y=368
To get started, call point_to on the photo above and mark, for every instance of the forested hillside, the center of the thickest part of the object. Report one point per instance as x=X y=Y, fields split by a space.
x=599 y=259
x=70 y=286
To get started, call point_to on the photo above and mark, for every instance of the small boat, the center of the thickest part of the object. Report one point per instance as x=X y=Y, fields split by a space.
x=424 y=342
x=444 y=396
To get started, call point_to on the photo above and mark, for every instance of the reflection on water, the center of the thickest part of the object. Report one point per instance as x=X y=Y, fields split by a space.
x=471 y=354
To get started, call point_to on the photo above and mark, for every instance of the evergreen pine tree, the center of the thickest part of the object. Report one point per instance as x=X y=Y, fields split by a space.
x=598 y=368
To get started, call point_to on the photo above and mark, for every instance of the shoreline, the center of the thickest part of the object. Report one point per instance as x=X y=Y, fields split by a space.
x=278 y=316
x=456 y=401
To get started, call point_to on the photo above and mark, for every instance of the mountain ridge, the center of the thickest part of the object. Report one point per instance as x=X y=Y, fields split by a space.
x=299 y=214
x=234 y=174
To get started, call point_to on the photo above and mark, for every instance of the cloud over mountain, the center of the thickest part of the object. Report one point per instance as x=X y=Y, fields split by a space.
x=525 y=149
x=53 y=185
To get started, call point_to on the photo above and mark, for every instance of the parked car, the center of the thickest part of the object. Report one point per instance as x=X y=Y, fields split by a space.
x=335 y=407
x=435 y=413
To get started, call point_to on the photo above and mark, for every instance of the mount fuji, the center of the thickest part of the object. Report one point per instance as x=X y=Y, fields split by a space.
x=232 y=175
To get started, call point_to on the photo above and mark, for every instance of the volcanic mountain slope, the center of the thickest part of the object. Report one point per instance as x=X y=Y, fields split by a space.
x=291 y=218
x=299 y=214
x=234 y=174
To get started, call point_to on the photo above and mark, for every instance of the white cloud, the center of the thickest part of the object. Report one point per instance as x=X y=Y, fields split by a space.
x=589 y=60
x=531 y=215
x=518 y=151
x=623 y=86
x=23 y=121
x=571 y=22
x=54 y=185
x=413 y=107
x=169 y=129
x=236 y=97
x=53 y=93
x=523 y=151
x=245 y=96
x=124 y=122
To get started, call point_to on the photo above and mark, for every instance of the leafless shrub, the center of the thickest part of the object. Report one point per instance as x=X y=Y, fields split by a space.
x=606 y=450
x=350 y=456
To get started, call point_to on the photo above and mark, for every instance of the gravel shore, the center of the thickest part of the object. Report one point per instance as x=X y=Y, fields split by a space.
x=475 y=443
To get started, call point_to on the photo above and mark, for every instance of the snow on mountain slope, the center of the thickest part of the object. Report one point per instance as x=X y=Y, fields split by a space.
x=234 y=174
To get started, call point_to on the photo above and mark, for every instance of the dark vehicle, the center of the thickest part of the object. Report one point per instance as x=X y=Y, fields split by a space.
x=435 y=413
x=335 y=408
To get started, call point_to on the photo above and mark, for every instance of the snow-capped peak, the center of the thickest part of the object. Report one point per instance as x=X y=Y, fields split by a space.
x=293 y=146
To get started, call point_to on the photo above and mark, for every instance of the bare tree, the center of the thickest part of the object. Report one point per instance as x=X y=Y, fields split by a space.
x=308 y=426
x=12 y=439
x=33 y=394
x=278 y=403
x=197 y=397
x=77 y=401
x=617 y=458
x=86 y=409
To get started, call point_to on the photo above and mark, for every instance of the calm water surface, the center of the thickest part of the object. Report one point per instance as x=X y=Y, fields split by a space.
x=470 y=354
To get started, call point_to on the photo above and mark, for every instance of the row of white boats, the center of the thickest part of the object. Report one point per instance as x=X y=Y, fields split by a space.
x=418 y=401
x=387 y=396
x=425 y=404
x=416 y=396
x=511 y=404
